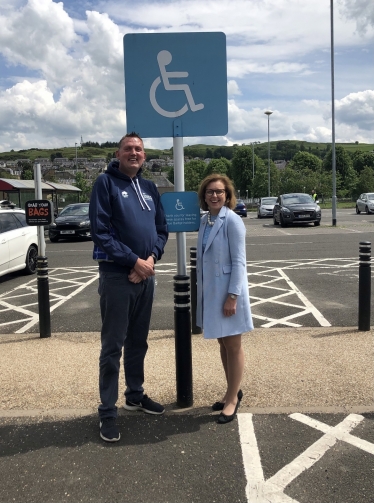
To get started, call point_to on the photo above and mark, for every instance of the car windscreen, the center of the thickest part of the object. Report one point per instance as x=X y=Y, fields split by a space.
x=370 y=196
x=269 y=200
x=74 y=210
x=297 y=199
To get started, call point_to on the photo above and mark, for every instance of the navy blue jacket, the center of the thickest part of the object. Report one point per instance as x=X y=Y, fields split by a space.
x=127 y=220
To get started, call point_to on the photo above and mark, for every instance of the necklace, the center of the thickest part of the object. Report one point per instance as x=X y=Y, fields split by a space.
x=211 y=222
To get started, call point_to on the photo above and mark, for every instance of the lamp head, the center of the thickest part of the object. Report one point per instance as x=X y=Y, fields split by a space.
x=268 y=112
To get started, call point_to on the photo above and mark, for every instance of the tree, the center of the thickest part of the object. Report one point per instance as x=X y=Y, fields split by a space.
x=221 y=166
x=365 y=181
x=27 y=172
x=289 y=180
x=242 y=168
x=343 y=161
x=303 y=160
x=193 y=174
x=82 y=184
x=362 y=159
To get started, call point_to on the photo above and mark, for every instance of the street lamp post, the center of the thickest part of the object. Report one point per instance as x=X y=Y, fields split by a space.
x=268 y=113
x=239 y=194
x=246 y=192
x=333 y=159
x=76 y=156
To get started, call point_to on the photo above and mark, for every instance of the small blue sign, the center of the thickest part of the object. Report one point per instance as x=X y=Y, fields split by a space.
x=176 y=81
x=182 y=211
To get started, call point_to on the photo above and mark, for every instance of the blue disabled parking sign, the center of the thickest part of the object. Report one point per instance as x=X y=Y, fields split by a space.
x=176 y=79
x=182 y=211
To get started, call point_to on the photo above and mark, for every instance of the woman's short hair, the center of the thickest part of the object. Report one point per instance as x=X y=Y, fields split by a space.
x=229 y=187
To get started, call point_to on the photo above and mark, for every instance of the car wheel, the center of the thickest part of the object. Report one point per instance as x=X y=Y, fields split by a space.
x=275 y=221
x=367 y=210
x=357 y=210
x=282 y=222
x=317 y=224
x=53 y=239
x=31 y=260
x=258 y=215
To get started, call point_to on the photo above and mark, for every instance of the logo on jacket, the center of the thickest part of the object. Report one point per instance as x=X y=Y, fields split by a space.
x=124 y=194
x=147 y=197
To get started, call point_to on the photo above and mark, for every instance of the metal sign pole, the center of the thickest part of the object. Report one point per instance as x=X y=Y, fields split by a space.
x=42 y=271
x=179 y=187
x=182 y=316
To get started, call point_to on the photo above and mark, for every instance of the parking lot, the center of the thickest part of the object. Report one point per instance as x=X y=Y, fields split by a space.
x=304 y=432
x=298 y=276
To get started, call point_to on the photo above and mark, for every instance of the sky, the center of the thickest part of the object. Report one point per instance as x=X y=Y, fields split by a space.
x=62 y=68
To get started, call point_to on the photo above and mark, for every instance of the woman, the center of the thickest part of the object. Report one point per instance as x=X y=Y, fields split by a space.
x=223 y=309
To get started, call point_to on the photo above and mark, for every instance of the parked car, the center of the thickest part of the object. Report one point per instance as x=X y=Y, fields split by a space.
x=365 y=203
x=266 y=206
x=18 y=241
x=72 y=222
x=295 y=209
x=240 y=208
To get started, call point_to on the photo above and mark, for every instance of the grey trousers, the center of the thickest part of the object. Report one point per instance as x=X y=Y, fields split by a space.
x=125 y=312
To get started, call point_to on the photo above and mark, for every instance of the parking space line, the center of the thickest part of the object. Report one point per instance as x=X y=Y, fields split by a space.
x=259 y=490
x=341 y=435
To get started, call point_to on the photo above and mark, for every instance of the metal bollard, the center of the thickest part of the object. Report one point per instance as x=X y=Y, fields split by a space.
x=183 y=348
x=364 y=285
x=195 y=328
x=43 y=298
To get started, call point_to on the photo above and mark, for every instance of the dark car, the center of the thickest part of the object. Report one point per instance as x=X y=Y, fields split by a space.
x=240 y=208
x=296 y=209
x=72 y=222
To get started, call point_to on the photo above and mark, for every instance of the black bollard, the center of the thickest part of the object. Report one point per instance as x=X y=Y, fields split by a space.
x=364 y=285
x=183 y=348
x=195 y=328
x=43 y=298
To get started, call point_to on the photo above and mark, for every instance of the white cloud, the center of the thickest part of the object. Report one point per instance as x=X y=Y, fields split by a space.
x=233 y=88
x=64 y=74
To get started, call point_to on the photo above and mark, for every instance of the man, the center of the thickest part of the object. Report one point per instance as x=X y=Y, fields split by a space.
x=129 y=232
x=314 y=196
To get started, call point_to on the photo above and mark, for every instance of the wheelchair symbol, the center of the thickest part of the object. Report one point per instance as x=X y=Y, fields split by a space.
x=164 y=58
x=179 y=205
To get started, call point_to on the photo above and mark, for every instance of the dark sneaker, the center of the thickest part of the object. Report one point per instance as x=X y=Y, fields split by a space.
x=109 y=430
x=146 y=405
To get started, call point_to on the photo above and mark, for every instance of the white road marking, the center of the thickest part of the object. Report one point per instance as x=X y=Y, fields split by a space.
x=270 y=275
x=58 y=282
x=345 y=436
x=259 y=490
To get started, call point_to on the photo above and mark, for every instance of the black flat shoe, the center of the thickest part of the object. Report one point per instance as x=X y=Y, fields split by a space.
x=223 y=418
x=220 y=405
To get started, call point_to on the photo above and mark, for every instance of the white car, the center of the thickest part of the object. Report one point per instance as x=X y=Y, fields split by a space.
x=365 y=203
x=18 y=241
x=266 y=207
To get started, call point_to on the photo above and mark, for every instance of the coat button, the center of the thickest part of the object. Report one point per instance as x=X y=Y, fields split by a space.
x=217 y=274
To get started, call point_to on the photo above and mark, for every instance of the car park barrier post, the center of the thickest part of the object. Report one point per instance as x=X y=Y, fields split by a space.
x=42 y=269
x=183 y=349
x=364 y=285
x=195 y=328
x=43 y=298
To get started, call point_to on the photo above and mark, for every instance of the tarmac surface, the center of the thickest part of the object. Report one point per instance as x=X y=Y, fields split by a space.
x=51 y=451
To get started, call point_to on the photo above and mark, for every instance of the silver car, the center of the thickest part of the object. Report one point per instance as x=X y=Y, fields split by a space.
x=266 y=207
x=365 y=203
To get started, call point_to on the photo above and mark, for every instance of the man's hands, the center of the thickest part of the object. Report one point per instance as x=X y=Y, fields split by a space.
x=142 y=269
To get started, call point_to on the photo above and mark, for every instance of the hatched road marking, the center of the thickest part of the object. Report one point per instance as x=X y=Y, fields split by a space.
x=268 y=282
x=258 y=489
x=64 y=284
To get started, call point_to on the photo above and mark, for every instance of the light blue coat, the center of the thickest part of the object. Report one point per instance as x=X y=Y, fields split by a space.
x=222 y=269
